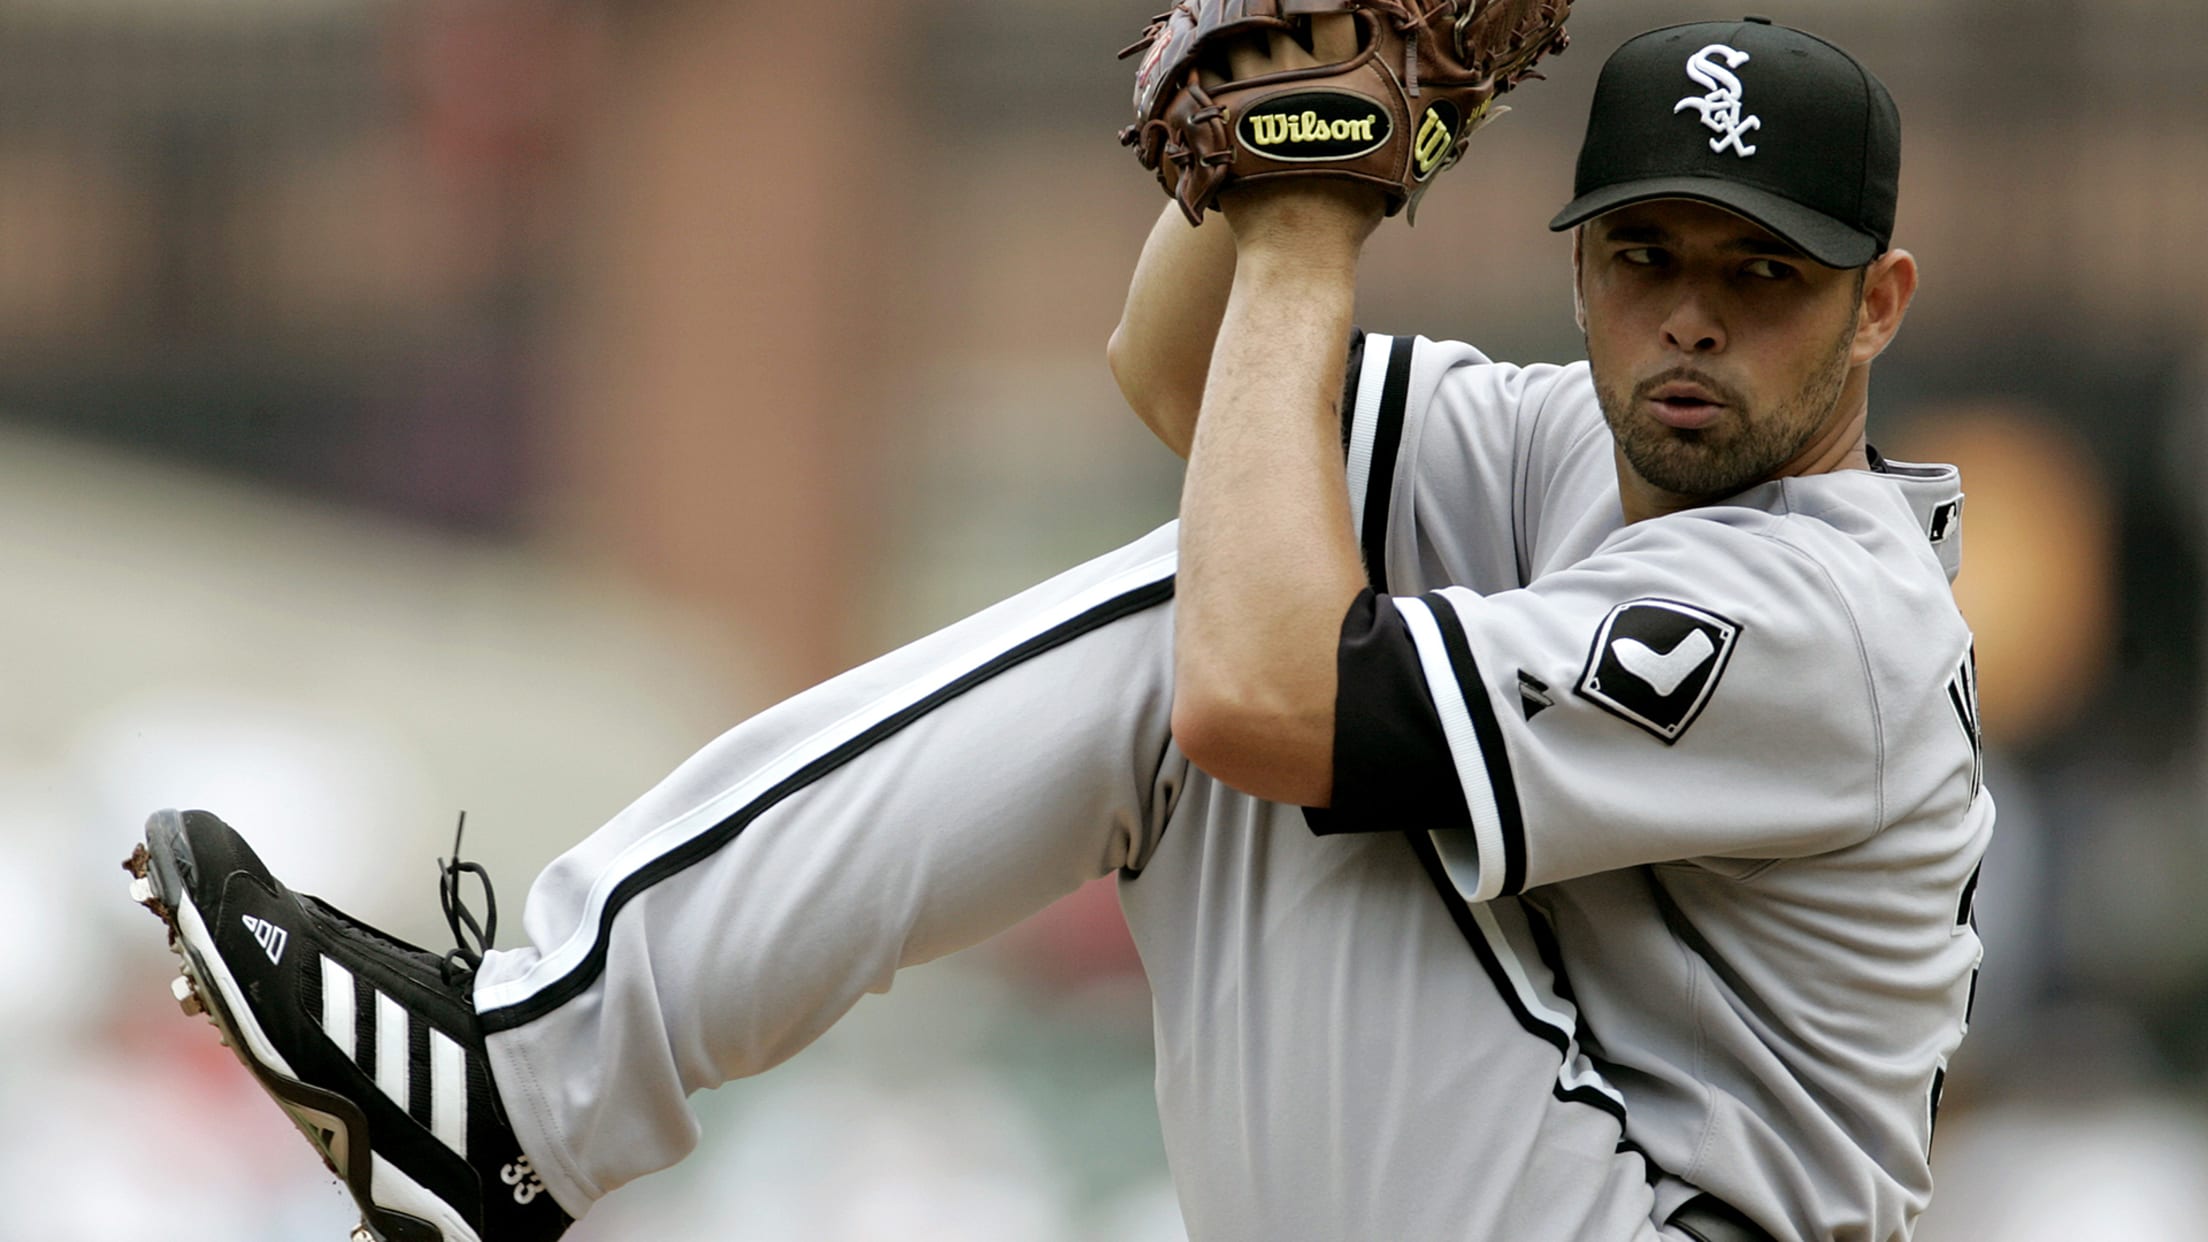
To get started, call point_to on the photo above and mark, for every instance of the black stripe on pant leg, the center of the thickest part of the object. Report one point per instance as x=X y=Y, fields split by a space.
x=1490 y=734
x=1387 y=441
x=703 y=846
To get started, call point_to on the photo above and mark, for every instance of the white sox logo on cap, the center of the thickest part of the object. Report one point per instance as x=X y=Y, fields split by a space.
x=1721 y=108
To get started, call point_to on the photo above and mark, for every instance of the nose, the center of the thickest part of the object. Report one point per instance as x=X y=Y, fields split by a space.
x=1692 y=328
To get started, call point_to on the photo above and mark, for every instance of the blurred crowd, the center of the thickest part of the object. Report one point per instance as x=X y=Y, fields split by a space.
x=416 y=405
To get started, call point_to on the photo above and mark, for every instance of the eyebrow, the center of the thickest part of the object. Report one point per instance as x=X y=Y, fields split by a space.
x=1657 y=235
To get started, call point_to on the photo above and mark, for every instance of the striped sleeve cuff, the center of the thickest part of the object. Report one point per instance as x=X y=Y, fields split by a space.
x=1497 y=864
x=1417 y=745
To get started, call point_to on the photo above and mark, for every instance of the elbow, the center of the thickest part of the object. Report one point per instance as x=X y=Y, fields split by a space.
x=1256 y=744
x=1132 y=377
x=1170 y=418
x=1216 y=734
x=1204 y=730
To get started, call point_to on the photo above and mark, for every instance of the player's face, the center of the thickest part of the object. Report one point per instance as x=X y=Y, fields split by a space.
x=1719 y=351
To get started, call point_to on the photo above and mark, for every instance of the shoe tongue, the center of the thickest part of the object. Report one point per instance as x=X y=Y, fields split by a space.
x=353 y=929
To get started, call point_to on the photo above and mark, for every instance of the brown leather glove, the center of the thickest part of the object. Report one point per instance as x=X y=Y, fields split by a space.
x=1393 y=114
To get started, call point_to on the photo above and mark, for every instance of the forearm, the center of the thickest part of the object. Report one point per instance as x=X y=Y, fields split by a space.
x=1161 y=351
x=1269 y=562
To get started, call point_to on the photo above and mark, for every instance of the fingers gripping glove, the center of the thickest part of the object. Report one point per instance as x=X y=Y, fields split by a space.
x=1393 y=115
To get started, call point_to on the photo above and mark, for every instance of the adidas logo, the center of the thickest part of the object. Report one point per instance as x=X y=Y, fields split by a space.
x=270 y=937
x=417 y=1067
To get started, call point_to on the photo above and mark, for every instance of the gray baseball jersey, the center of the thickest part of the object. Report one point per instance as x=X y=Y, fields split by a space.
x=1730 y=756
x=1361 y=1032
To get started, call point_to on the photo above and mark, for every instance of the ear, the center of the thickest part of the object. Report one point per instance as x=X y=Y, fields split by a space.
x=1579 y=298
x=1888 y=288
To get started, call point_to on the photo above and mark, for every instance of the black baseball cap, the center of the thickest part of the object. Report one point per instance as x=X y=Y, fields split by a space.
x=1762 y=120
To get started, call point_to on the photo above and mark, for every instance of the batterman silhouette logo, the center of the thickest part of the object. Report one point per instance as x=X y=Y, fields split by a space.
x=1722 y=110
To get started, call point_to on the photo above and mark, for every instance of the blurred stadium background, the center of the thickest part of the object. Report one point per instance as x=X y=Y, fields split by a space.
x=415 y=405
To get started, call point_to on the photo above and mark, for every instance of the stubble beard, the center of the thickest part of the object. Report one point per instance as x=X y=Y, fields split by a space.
x=1743 y=448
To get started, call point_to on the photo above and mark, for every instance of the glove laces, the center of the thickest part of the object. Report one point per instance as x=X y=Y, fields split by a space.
x=464 y=958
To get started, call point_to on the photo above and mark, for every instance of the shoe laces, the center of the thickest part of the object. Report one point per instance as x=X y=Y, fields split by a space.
x=461 y=962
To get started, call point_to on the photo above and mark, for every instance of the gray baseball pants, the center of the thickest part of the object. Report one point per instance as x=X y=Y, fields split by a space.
x=1335 y=1061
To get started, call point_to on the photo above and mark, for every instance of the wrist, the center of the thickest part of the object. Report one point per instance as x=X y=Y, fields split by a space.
x=1315 y=221
x=1291 y=267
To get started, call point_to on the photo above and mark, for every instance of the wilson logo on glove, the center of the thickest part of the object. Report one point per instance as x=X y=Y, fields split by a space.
x=1437 y=139
x=1389 y=107
x=1315 y=126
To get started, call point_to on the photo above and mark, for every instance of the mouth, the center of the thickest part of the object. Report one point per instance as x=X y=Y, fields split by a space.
x=1684 y=405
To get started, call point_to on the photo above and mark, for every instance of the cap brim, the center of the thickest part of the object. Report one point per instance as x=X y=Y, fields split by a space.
x=1818 y=235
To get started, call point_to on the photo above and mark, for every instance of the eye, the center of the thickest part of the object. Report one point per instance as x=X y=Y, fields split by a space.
x=1641 y=256
x=1768 y=269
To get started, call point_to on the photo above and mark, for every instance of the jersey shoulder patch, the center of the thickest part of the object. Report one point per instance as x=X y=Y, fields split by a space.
x=1655 y=663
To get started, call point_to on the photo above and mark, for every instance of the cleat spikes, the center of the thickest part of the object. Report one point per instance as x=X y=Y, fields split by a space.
x=187 y=997
x=141 y=884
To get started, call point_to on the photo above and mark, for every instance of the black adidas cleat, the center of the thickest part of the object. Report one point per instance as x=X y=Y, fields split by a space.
x=370 y=1044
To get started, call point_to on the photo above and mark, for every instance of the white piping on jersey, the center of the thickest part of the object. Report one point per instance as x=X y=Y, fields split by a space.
x=1576 y=1072
x=1364 y=426
x=1486 y=861
x=1486 y=880
x=569 y=955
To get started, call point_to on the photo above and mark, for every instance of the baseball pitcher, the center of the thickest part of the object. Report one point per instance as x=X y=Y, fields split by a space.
x=1547 y=799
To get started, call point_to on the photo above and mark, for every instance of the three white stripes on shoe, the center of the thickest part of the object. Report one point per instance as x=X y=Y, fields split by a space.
x=448 y=1062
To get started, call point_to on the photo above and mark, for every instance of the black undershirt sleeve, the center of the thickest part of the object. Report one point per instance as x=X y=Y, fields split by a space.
x=1392 y=766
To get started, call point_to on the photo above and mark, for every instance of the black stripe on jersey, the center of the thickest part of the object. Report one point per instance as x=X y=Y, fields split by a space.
x=1962 y=695
x=1590 y=1046
x=703 y=846
x=1552 y=956
x=1653 y=1171
x=1460 y=913
x=1490 y=735
x=1387 y=441
x=1544 y=943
